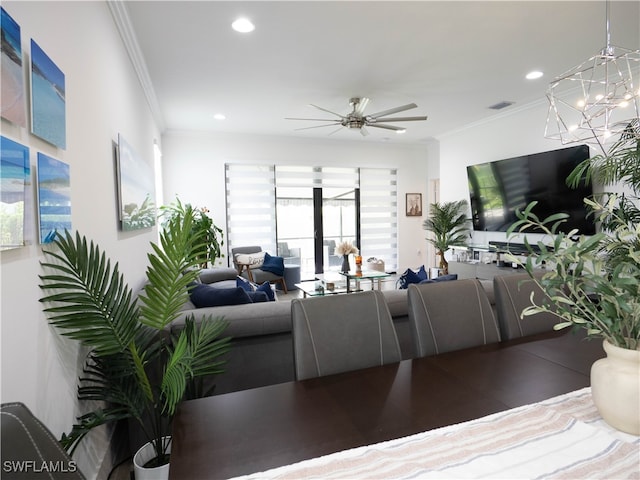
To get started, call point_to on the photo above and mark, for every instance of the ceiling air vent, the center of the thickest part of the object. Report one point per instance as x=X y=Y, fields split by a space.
x=501 y=105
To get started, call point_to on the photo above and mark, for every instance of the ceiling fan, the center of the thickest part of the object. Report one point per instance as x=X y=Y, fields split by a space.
x=358 y=120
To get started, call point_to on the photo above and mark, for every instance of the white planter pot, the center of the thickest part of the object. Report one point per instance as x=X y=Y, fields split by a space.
x=145 y=454
x=615 y=387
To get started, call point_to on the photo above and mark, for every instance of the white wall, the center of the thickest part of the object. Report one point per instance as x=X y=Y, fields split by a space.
x=193 y=169
x=103 y=98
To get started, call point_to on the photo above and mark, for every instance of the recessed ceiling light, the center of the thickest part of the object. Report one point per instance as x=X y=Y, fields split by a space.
x=399 y=132
x=534 y=75
x=243 y=25
x=219 y=116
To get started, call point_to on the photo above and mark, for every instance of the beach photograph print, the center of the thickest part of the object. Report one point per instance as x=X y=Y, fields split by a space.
x=48 y=115
x=15 y=175
x=54 y=197
x=136 y=188
x=13 y=105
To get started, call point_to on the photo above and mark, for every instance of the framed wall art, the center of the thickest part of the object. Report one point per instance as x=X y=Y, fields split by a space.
x=136 y=189
x=13 y=105
x=54 y=197
x=414 y=204
x=15 y=179
x=48 y=104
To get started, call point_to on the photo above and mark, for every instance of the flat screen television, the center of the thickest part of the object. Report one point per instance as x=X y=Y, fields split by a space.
x=497 y=189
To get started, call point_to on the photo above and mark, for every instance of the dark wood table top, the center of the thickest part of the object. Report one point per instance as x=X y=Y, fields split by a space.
x=254 y=430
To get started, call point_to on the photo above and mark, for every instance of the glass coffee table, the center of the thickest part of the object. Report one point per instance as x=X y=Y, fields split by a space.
x=318 y=288
x=357 y=277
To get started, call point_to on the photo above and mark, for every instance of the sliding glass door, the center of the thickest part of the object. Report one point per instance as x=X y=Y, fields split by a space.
x=311 y=222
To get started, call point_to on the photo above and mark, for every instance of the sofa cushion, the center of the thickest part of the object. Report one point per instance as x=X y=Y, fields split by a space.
x=273 y=264
x=213 y=275
x=441 y=278
x=203 y=295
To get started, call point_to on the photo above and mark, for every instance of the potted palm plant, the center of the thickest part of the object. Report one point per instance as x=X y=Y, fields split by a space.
x=594 y=282
x=134 y=368
x=450 y=226
x=208 y=235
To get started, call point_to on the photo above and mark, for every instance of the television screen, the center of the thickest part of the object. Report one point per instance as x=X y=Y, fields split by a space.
x=497 y=189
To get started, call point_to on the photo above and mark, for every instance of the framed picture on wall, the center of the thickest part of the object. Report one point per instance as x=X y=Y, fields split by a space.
x=136 y=189
x=414 y=204
x=48 y=104
x=54 y=197
x=13 y=105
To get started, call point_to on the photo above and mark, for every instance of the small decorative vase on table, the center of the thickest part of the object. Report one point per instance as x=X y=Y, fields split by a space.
x=345 y=264
x=615 y=387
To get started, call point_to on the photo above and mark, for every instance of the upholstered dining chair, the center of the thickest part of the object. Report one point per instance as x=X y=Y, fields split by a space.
x=339 y=333
x=450 y=316
x=513 y=294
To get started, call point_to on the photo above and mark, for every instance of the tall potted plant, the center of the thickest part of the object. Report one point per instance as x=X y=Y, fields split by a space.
x=594 y=282
x=450 y=226
x=207 y=234
x=134 y=368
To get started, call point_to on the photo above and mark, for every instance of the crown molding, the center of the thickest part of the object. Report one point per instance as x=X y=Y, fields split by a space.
x=121 y=19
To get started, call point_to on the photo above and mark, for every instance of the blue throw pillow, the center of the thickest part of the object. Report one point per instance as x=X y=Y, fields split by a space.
x=245 y=284
x=266 y=289
x=203 y=295
x=257 y=297
x=273 y=264
x=410 y=277
x=422 y=273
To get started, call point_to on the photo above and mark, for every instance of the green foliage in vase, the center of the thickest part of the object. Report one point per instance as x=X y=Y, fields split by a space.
x=450 y=226
x=208 y=235
x=135 y=368
x=594 y=281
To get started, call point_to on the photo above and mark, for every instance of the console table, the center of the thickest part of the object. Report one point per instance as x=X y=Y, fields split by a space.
x=254 y=430
x=483 y=271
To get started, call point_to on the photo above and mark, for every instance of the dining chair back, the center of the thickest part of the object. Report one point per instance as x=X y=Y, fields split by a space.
x=513 y=295
x=342 y=332
x=450 y=316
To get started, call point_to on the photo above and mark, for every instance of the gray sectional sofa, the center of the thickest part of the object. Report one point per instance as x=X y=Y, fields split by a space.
x=262 y=347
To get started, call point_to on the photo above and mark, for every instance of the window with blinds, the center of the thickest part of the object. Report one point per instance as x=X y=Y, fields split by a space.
x=251 y=206
x=253 y=191
x=379 y=215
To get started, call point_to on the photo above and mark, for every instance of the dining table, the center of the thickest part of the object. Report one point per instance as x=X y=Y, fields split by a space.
x=250 y=431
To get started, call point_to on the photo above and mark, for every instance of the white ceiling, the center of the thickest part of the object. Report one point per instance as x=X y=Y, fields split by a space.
x=452 y=58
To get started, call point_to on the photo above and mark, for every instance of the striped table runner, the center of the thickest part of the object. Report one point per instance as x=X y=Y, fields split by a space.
x=563 y=437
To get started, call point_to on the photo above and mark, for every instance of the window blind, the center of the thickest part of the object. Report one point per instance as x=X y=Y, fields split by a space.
x=251 y=206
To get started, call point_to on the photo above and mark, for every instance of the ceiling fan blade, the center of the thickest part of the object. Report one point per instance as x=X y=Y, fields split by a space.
x=391 y=111
x=388 y=127
x=335 y=131
x=312 y=119
x=399 y=119
x=363 y=131
x=362 y=104
x=325 y=110
x=319 y=126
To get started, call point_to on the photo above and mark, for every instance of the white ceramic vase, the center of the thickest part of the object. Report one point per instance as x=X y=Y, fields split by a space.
x=615 y=387
x=143 y=455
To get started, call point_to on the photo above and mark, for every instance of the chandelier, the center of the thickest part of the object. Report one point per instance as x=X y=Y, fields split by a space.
x=598 y=99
